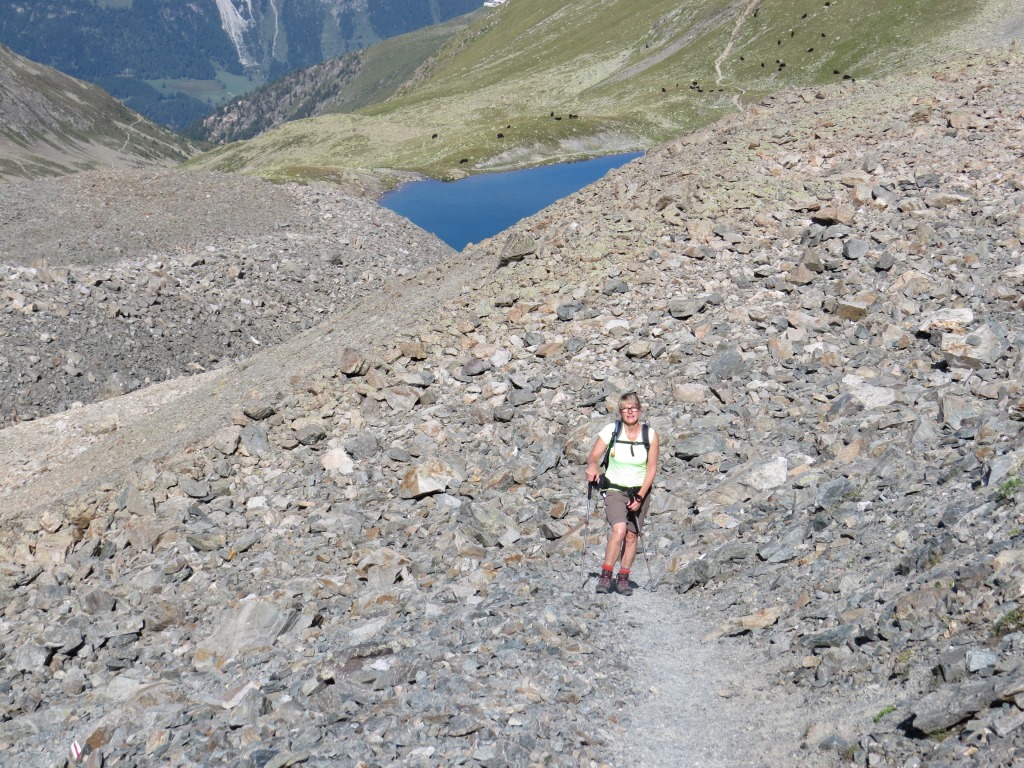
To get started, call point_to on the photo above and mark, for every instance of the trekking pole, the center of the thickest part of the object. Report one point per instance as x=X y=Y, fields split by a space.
x=586 y=530
x=642 y=540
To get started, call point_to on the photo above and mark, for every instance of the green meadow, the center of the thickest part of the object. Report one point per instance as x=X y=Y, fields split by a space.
x=536 y=81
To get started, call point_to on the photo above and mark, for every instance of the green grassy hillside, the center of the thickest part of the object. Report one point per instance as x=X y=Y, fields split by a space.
x=537 y=80
x=343 y=84
x=174 y=61
x=52 y=124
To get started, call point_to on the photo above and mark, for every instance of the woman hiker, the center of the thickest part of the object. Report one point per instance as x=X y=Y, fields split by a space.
x=632 y=462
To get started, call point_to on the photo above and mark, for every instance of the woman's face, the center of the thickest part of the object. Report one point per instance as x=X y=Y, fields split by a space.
x=630 y=413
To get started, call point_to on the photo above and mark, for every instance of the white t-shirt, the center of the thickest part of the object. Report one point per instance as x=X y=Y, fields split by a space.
x=627 y=465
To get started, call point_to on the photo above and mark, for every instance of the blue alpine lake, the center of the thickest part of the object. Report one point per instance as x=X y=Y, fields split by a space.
x=477 y=207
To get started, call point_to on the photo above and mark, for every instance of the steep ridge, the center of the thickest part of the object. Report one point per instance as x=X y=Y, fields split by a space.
x=379 y=559
x=301 y=94
x=52 y=124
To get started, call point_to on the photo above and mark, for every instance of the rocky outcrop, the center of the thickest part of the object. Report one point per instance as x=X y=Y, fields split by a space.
x=306 y=93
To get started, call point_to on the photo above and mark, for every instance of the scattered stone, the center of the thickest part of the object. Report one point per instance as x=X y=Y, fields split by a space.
x=517 y=247
x=309 y=431
x=430 y=476
x=254 y=625
x=196 y=489
x=258 y=411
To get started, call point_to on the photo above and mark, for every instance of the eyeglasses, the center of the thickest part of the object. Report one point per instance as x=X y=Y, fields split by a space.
x=630 y=409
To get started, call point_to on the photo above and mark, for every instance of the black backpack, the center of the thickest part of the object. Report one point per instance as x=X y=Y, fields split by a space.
x=615 y=435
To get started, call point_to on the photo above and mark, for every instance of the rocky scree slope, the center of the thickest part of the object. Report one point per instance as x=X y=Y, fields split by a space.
x=818 y=301
x=114 y=280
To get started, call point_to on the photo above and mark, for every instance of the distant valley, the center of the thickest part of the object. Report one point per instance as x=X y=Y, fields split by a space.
x=174 y=62
x=343 y=84
x=525 y=83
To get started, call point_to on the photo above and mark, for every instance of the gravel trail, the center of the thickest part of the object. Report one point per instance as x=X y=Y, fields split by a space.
x=704 y=704
x=714 y=702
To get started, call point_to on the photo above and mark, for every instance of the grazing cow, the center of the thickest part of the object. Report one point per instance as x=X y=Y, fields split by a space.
x=663 y=89
x=810 y=50
x=434 y=136
x=501 y=135
x=463 y=161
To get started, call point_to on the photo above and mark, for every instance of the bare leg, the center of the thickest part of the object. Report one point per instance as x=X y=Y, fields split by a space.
x=628 y=549
x=616 y=543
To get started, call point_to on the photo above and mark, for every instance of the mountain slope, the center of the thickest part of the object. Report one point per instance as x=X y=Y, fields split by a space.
x=173 y=61
x=367 y=544
x=52 y=124
x=343 y=84
x=536 y=80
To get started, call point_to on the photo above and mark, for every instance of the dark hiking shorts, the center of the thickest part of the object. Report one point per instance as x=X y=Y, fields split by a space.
x=616 y=512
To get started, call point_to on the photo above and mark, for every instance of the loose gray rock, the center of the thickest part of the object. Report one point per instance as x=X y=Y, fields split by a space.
x=255 y=440
x=834 y=529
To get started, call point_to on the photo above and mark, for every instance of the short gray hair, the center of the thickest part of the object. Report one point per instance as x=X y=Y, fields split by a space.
x=630 y=397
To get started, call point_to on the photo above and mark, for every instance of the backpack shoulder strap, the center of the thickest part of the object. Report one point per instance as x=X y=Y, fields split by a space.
x=608 y=450
x=647 y=439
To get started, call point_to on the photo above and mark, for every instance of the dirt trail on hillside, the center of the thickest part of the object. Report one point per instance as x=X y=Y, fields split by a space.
x=1001 y=22
x=711 y=703
x=700 y=28
x=732 y=40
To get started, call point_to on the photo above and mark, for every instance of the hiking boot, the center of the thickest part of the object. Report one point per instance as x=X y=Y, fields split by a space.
x=604 y=584
x=622 y=585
